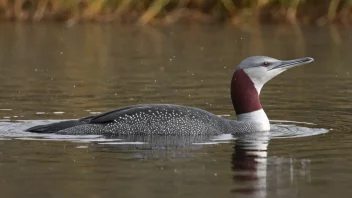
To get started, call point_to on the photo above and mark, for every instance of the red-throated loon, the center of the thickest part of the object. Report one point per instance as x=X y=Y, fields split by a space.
x=166 y=119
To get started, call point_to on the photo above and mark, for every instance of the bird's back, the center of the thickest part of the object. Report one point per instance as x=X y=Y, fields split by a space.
x=158 y=119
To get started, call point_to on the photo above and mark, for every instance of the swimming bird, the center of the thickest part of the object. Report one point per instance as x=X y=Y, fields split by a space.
x=168 y=119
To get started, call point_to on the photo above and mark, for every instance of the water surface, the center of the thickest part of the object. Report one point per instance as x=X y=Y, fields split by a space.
x=50 y=72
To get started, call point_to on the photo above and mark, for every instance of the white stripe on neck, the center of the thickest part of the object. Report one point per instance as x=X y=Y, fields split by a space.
x=258 y=116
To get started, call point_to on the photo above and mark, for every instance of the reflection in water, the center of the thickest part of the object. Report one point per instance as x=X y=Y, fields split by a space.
x=249 y=163
x=256 y=175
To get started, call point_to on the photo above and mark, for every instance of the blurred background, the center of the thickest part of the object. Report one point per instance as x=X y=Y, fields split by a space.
x=121 y=52
x=170 y=11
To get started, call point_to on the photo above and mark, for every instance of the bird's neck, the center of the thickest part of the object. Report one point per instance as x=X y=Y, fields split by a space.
x=245 y=96
x=245 y=100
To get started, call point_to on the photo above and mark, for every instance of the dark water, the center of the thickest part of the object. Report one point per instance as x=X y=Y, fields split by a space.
x=48 y=71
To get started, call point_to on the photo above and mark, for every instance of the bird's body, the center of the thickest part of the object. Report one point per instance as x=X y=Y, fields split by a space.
x=168 y=119
x=157 y=119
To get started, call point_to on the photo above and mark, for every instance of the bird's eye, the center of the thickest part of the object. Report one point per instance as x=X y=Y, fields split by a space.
x=266 y=63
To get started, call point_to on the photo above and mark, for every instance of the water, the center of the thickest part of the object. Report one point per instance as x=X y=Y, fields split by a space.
x=49 y=72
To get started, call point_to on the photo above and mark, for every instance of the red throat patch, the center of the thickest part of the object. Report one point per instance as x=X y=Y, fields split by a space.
x=245 y=98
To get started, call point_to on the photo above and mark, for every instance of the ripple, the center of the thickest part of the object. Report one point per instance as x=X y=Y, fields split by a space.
x=123 y=143
x=280 y=130
x=58 y=112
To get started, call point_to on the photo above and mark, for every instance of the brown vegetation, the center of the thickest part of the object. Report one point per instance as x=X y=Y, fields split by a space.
x=170 y=11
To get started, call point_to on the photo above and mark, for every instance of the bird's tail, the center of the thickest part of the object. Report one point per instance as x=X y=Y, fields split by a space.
x=55 y=127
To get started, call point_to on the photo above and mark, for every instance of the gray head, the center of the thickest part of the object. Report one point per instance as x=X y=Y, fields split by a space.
x=260 y=69
x=250 y=76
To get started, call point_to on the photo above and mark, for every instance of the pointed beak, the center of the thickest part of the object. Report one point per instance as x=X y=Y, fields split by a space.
x=292 y=63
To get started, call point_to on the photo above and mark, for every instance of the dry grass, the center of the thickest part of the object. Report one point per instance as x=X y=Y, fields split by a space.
x=170 y=11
